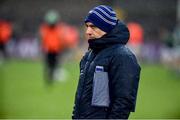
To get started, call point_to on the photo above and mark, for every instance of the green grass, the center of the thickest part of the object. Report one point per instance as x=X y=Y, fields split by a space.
x=23 y=93
x=159 y=94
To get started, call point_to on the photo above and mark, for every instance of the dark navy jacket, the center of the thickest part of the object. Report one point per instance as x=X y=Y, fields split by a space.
x=109 y=77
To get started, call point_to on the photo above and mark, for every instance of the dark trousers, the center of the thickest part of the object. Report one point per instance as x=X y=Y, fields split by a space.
x=51 y=63
x=3 y=50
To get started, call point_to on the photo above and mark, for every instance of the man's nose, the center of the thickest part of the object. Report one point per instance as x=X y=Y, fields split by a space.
x=88 y=31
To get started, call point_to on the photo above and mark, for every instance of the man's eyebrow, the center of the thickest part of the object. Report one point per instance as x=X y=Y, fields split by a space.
x=90 y=25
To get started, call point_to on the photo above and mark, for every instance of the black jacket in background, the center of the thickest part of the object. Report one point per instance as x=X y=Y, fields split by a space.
x=118 y=99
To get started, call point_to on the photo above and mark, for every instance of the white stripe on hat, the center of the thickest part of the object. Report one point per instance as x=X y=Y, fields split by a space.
x=105 y=7
x=104 y=19
x=104 y=12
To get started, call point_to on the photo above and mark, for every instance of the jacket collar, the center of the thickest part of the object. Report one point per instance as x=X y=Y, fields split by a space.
x=119 y=35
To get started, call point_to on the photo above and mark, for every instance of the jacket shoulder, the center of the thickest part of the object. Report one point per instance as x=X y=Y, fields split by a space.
x=119 y=51
x=122 y=54
x=85 y=57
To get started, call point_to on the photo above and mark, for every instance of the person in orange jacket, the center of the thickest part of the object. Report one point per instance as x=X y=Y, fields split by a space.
x=5 y=35
x=136 y=38
x=51 y=33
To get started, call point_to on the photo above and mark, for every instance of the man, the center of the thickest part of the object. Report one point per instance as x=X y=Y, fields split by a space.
x=5 y=36
x=109 y=72
x=136 y=38
x=52 y=43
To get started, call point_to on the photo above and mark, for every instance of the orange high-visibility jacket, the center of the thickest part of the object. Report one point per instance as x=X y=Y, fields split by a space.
x=52 y=38
x=5 y=31
x=71 y=36
x=136 y=33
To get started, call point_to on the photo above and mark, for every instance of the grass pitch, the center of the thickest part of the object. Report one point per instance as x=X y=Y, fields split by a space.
x=24 y=94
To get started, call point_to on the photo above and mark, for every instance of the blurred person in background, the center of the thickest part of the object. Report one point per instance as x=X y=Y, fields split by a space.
x=176 y=35
x=5 y=36
x=52 y=43
x=56 y=37
x=109 y=71
x=176 y=47
x=136 y=38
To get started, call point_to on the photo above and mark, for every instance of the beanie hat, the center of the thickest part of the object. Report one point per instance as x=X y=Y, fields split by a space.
x=102 y=17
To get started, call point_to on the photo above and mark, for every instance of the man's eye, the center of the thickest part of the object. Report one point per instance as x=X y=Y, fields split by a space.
x=93 y=27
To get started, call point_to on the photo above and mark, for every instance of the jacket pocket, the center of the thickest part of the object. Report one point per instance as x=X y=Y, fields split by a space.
x=100 y=95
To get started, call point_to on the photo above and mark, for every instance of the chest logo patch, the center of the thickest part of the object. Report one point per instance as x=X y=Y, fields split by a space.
x=99 y=69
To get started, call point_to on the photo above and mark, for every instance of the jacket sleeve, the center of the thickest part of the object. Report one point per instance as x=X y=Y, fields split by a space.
x=81 y=65
x=124 y=73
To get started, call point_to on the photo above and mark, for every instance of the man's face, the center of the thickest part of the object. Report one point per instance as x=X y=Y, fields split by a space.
x=93 y=32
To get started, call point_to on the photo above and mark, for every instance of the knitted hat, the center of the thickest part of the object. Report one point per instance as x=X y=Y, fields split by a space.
x=102 y=17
